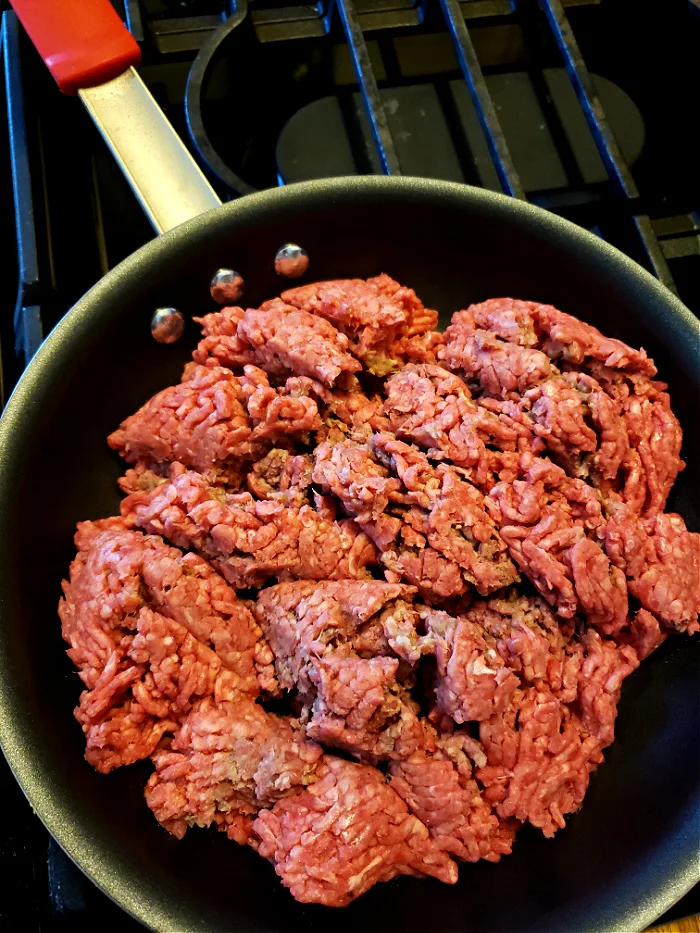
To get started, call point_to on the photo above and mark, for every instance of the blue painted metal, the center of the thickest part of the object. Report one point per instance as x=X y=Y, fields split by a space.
x=381 y=133
x=603 y=135
x=27 y=320
x=486 y=112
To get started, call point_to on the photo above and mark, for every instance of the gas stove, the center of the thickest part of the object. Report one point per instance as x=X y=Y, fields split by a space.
x=579 y=106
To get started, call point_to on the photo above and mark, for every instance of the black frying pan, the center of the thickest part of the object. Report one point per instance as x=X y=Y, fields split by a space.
x=632 y=850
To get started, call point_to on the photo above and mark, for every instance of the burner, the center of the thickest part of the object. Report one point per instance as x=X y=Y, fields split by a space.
x=491 y=106
x=437 y=134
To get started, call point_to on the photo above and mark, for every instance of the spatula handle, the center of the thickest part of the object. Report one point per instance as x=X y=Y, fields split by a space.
x=83 y=42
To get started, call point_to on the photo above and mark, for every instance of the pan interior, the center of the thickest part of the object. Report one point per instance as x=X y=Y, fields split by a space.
x=624 y=858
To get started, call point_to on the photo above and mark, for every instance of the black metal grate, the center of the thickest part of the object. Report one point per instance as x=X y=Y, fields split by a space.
x=618 y=171
x=360 y=17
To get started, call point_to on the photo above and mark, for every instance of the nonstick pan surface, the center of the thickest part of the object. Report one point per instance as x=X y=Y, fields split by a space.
x=631 y=851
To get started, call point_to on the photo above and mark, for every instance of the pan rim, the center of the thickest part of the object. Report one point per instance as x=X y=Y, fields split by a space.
x=24 y=764
x=364 y=184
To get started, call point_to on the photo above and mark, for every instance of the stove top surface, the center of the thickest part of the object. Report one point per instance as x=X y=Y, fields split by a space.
x=280 y=92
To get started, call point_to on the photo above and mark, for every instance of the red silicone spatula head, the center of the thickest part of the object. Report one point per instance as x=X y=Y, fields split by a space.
x=83 y=42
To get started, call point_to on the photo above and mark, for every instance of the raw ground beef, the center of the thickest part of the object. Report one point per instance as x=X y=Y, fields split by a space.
x=559 y=335
x=250 y=540
x=436 y=520
x=668 y=585
x=473 y=680
x=440 y=789
x=149 y=682
x=118 y=571
x=604 y=665
x=228 y=760
x=346 y=832
x=212 y=417
x=103 y=594
x=500 y=368
x=431 y=407
x=277 y=337
x=534 y=644
x=661 y=560
x=655 y=436
x=385 y=322
x=143 y=668
x=499 y=645
x=436 y=537
x=345 y=672
x=544 y=518
x=643 y=634
x=539 y=760
x=187 y=589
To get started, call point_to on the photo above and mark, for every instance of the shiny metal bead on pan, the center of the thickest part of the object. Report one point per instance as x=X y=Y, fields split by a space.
x=227 y=287
x=291 y=261
x=167 y=325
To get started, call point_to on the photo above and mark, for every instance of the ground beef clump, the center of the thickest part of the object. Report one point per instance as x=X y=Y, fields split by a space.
x=500 y=368
x=432 y=408
x=655 y=439
x=532 y=642
x=375 y=590
x=149 y=682
x=560 y=336
x=473 y=680
x=213 y=417
x=430 y=525
x=151 y=630
x=227 y=761
x=250 y=540
x=279 y=339
x=539 y=759
x=346 y=832
x=667 y=586
x=549 y=522
x=440 y=789
x=339 y=646
x=385 y=322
